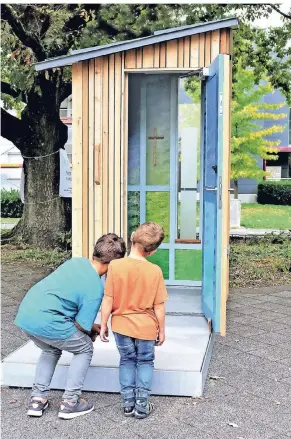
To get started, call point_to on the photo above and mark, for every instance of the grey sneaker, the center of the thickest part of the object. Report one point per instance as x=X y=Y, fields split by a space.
x=82 y=407
x=36 y=407
x=143 y=409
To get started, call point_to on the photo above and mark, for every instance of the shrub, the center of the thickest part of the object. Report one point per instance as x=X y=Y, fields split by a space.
x=11 y=204
x=275 y=193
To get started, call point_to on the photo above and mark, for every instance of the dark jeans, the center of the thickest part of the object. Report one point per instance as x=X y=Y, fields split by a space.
x=136 y=368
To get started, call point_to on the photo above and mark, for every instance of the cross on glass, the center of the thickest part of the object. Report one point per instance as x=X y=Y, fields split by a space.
x=155 y=138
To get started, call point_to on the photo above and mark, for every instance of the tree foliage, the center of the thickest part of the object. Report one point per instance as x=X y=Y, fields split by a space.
x=249 y=138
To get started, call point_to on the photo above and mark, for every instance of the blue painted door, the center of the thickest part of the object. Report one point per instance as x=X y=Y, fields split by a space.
x=215 y=195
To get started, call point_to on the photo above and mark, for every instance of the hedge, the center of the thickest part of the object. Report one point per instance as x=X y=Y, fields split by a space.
x=272 y=192
x=11 y=204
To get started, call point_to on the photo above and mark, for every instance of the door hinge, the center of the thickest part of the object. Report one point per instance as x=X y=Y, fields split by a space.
x=204 y=73
x=220 y=104
x=220 y=193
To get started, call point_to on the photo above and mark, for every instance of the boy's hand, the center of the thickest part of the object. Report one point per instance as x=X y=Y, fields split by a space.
x=104 y=333
x=95 y=331
x=161 y=337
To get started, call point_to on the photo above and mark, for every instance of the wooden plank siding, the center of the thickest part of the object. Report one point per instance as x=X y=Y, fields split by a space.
x=100 y=109
x=183 y=53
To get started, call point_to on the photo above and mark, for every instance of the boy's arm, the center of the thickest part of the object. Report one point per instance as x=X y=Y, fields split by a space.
x=106 y=309
x=160 y=314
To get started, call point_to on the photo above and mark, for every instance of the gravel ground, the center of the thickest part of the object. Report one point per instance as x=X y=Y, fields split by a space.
x=248 y=389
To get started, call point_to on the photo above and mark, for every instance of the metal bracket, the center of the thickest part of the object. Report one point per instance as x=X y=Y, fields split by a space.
x=204 y=73
x=220 y=193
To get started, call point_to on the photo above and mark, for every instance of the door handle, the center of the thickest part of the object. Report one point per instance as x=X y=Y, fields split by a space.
x=210 y=188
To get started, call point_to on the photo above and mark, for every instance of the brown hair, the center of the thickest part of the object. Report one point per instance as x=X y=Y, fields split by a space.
x=109 y=247
x=148 y=236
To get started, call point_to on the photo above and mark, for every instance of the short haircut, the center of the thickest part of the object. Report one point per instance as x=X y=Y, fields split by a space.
x=109 y=247
x=148 y=236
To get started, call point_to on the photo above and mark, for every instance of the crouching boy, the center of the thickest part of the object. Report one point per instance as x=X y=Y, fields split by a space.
x=135 y=294
x=58 y=314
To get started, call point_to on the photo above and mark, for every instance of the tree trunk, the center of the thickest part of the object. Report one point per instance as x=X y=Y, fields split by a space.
x=45 y=214
x=235 y=183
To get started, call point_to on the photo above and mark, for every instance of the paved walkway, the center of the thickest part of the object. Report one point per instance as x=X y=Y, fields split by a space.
x=248 y=390
x=244 y=231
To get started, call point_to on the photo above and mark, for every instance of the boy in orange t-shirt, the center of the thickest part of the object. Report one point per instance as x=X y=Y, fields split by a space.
x=134 y=294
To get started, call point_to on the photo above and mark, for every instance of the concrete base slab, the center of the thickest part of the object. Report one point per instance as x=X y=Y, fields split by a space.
x=180 y=367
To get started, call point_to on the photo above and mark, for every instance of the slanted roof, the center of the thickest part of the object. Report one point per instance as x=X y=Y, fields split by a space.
x=120 y=46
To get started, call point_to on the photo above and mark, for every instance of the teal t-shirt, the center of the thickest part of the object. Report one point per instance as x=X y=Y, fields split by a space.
x=71 y=293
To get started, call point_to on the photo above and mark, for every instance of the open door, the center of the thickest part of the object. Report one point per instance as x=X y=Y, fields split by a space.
x=215 y=146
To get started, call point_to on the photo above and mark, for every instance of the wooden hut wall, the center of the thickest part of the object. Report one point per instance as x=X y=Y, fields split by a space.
x=99 y=159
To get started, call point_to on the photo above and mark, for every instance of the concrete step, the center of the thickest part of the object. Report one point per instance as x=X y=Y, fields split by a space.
x=180 y=367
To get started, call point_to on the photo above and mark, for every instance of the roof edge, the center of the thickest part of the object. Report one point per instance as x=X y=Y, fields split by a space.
x=167 y=35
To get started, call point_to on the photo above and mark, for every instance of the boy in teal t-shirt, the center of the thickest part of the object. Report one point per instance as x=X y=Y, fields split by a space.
x=58 y=314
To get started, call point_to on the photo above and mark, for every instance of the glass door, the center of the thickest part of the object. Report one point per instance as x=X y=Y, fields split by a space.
x=162 y=181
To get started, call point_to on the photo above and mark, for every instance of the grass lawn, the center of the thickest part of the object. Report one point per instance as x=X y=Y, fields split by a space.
x=266 y=216
x=10 y=220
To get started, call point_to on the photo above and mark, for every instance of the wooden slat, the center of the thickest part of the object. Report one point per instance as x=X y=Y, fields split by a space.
x=148 y=56
x=172 y=54
x=77 y=170
x=156 y=55
x=124 y=157
x=202 y=50
x=180 y=52
x=223 y=41
x=162 y=55
x=208 y=49
x=91 y=206
x=98 y=149
x=105 y=129
x=117 y=143
x=130 y=59
x=187 y=52
x=85 y=181
x=215 y=42
x=111 y=145
x=194 y=55
x=139 y=58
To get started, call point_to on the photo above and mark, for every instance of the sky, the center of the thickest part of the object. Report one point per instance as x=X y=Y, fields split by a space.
x=275 y=19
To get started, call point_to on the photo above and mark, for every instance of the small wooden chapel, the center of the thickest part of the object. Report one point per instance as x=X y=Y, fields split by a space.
x=140 y=153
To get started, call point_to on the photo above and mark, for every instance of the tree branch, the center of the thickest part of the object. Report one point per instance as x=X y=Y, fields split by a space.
x=8 y=90
x=8 y=14
x=66 y=91
x=280 y=12
x=12 y=128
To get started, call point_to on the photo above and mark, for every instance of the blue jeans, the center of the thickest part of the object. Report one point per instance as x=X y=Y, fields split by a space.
x=135 y=369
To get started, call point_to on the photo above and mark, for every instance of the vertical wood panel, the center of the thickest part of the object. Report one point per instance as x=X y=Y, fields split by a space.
x=85 y=181
x=124 y=155
x=98 y=150
x=208 y=49
x=156 y=55
x=172 y=53
x=201 y=50
x=105 y=110
x=187 y=52
x=180 y=52
x=77 y=170
x=138 y=58
x=117 y=143
x=162 y=55
x=111 y=144
x=194 y=56
x=223 y=41
x=130 y=59
x=148 y=57
x=215 y=42
x=91 y=206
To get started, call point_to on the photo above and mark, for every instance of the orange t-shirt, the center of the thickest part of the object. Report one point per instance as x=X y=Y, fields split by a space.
x=136 y=286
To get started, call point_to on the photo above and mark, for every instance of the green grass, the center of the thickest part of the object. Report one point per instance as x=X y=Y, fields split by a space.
x=45 y=258
x=10 y=220
x=261 y=261
x=266 y=216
